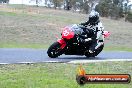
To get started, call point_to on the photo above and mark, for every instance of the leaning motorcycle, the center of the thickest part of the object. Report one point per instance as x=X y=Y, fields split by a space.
x=69 y=43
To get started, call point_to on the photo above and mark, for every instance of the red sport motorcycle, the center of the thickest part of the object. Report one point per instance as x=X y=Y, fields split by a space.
x=69 y=43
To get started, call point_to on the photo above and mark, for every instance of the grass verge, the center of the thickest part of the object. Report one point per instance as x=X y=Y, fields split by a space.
x=58 y=75
x=45 y=46
x=16 y=45
x=118 y=48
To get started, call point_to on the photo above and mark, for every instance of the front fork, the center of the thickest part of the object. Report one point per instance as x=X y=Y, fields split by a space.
x=62 y=43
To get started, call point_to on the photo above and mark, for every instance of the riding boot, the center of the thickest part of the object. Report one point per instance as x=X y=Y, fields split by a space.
x=92 y=47
x=99 y=44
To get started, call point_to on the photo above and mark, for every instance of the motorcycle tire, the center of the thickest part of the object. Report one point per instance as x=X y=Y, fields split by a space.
x=97 y=51
x=54 y=50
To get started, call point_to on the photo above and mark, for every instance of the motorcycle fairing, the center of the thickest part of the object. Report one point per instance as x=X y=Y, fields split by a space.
x=62 y=43
x=67 y=33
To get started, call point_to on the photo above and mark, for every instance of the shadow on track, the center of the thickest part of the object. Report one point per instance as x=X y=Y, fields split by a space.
x=77 y=58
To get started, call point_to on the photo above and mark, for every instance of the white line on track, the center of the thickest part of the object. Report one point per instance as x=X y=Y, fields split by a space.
x=72 y=62
x=92 y=61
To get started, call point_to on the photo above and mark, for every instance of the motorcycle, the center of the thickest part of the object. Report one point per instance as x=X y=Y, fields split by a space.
x=69 y=43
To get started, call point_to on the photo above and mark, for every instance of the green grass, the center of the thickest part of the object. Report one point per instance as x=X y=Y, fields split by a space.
x=58 y=75
x=118 y=48
x=8 y=13
x=18 y=6
x=45 y=46
x=16 y=45
x=47 y=17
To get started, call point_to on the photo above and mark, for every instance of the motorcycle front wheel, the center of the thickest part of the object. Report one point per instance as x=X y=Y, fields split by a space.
x=54 y=50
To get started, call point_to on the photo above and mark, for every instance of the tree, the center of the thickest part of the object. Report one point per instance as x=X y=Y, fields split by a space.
x=92 y=4
x=129 y=17
x=4 y=1
x=104 y=7
x=85 y=7
x=67 y=4
x=57 y=3
x=113 y=8
x=37 y=1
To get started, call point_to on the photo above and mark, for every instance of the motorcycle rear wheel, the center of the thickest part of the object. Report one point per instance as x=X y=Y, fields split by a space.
x=54 y=50
x=97 y=51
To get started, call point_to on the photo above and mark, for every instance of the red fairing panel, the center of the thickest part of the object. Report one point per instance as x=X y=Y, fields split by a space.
x=62 y=43
x=67 y=34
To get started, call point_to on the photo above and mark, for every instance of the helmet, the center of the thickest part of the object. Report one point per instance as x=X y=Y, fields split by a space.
x=93 y=17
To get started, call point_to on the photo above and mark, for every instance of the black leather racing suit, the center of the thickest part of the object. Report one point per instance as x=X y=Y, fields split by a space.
x=94 y=31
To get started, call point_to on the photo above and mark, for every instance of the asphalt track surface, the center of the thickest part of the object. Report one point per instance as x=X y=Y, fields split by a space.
x=20 y=55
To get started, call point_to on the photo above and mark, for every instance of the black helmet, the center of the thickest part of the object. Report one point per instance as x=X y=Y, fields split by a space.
x=93 y=17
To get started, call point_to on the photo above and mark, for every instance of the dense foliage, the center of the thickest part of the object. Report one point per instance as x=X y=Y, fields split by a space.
x=4 y=1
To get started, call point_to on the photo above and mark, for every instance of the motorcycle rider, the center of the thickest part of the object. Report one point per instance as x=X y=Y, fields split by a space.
x=94 y=28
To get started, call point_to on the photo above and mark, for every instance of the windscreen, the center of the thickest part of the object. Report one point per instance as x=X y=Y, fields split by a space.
x=76 y=29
